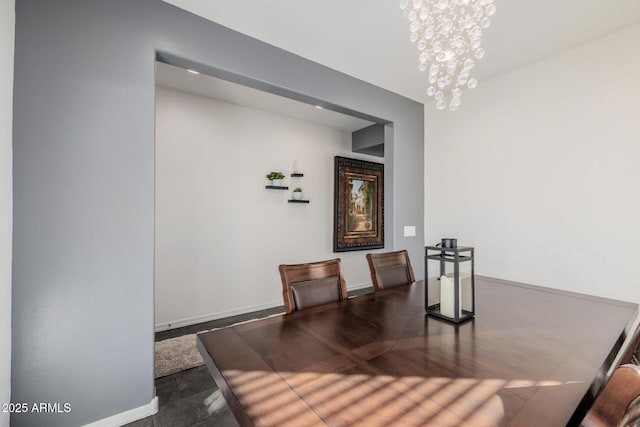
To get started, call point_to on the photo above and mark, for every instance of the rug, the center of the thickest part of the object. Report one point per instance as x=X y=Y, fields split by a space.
x=180 y=353
x=176 y=355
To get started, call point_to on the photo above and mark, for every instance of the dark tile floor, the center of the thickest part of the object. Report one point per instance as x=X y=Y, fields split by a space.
x=191 y=398
x=188 y=398
x=218 y=323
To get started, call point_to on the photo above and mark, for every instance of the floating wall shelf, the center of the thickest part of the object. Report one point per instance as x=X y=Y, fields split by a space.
x=275 y=187
x=296 y=182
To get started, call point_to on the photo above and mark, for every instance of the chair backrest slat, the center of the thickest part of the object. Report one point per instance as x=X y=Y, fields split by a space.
x=390 y=269
x=617 y=400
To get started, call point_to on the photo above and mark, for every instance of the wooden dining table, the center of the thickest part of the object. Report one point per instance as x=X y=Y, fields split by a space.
x=531 y=356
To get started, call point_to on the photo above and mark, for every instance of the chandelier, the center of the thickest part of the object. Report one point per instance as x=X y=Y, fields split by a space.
x=448 y=34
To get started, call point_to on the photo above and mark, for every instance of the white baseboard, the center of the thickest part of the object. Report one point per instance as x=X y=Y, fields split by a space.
x=165 y=326
x=360 y=286
x=214 y=316
x=127 y=417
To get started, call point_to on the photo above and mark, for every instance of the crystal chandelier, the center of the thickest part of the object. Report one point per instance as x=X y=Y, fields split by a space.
x=448 y=34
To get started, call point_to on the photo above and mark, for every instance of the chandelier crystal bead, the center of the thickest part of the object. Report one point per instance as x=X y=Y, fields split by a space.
x=448 y=34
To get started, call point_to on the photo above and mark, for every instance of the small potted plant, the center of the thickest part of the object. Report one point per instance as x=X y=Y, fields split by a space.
x=276 y=178
x=297 y=193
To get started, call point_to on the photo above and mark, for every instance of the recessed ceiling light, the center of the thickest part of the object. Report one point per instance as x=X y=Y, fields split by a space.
x=193 y=71
x=319 y=107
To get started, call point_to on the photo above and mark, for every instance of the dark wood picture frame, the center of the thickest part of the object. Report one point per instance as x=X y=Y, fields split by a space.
x=358 y=222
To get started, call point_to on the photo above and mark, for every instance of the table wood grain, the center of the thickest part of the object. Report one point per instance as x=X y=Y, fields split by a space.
x=528 y=358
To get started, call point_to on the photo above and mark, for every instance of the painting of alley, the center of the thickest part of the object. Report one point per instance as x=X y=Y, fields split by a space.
x=361 y=206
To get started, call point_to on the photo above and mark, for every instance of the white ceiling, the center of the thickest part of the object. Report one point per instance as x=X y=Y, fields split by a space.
x=369 y=39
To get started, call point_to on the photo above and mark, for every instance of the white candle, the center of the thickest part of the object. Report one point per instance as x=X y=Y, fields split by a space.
x=447 y=297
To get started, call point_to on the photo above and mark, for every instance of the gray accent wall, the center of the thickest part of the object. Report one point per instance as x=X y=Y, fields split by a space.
x=369 y=140
x=84 y=185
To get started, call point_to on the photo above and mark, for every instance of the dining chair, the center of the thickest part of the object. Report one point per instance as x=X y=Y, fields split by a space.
x=311 y=284
x=618 y=404
x=390 y=269
x=632 y=352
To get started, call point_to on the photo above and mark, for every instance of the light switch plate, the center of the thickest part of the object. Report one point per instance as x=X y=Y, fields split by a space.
x=409 y=231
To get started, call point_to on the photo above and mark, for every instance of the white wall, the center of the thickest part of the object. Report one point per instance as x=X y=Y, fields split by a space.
x=220 y=235
x=7 y=22
x=539 y=171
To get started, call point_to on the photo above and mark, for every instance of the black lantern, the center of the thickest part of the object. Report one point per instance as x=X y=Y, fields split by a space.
x=450 y=285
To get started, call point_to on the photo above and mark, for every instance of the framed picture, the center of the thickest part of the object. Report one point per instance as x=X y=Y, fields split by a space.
x=358 y=205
